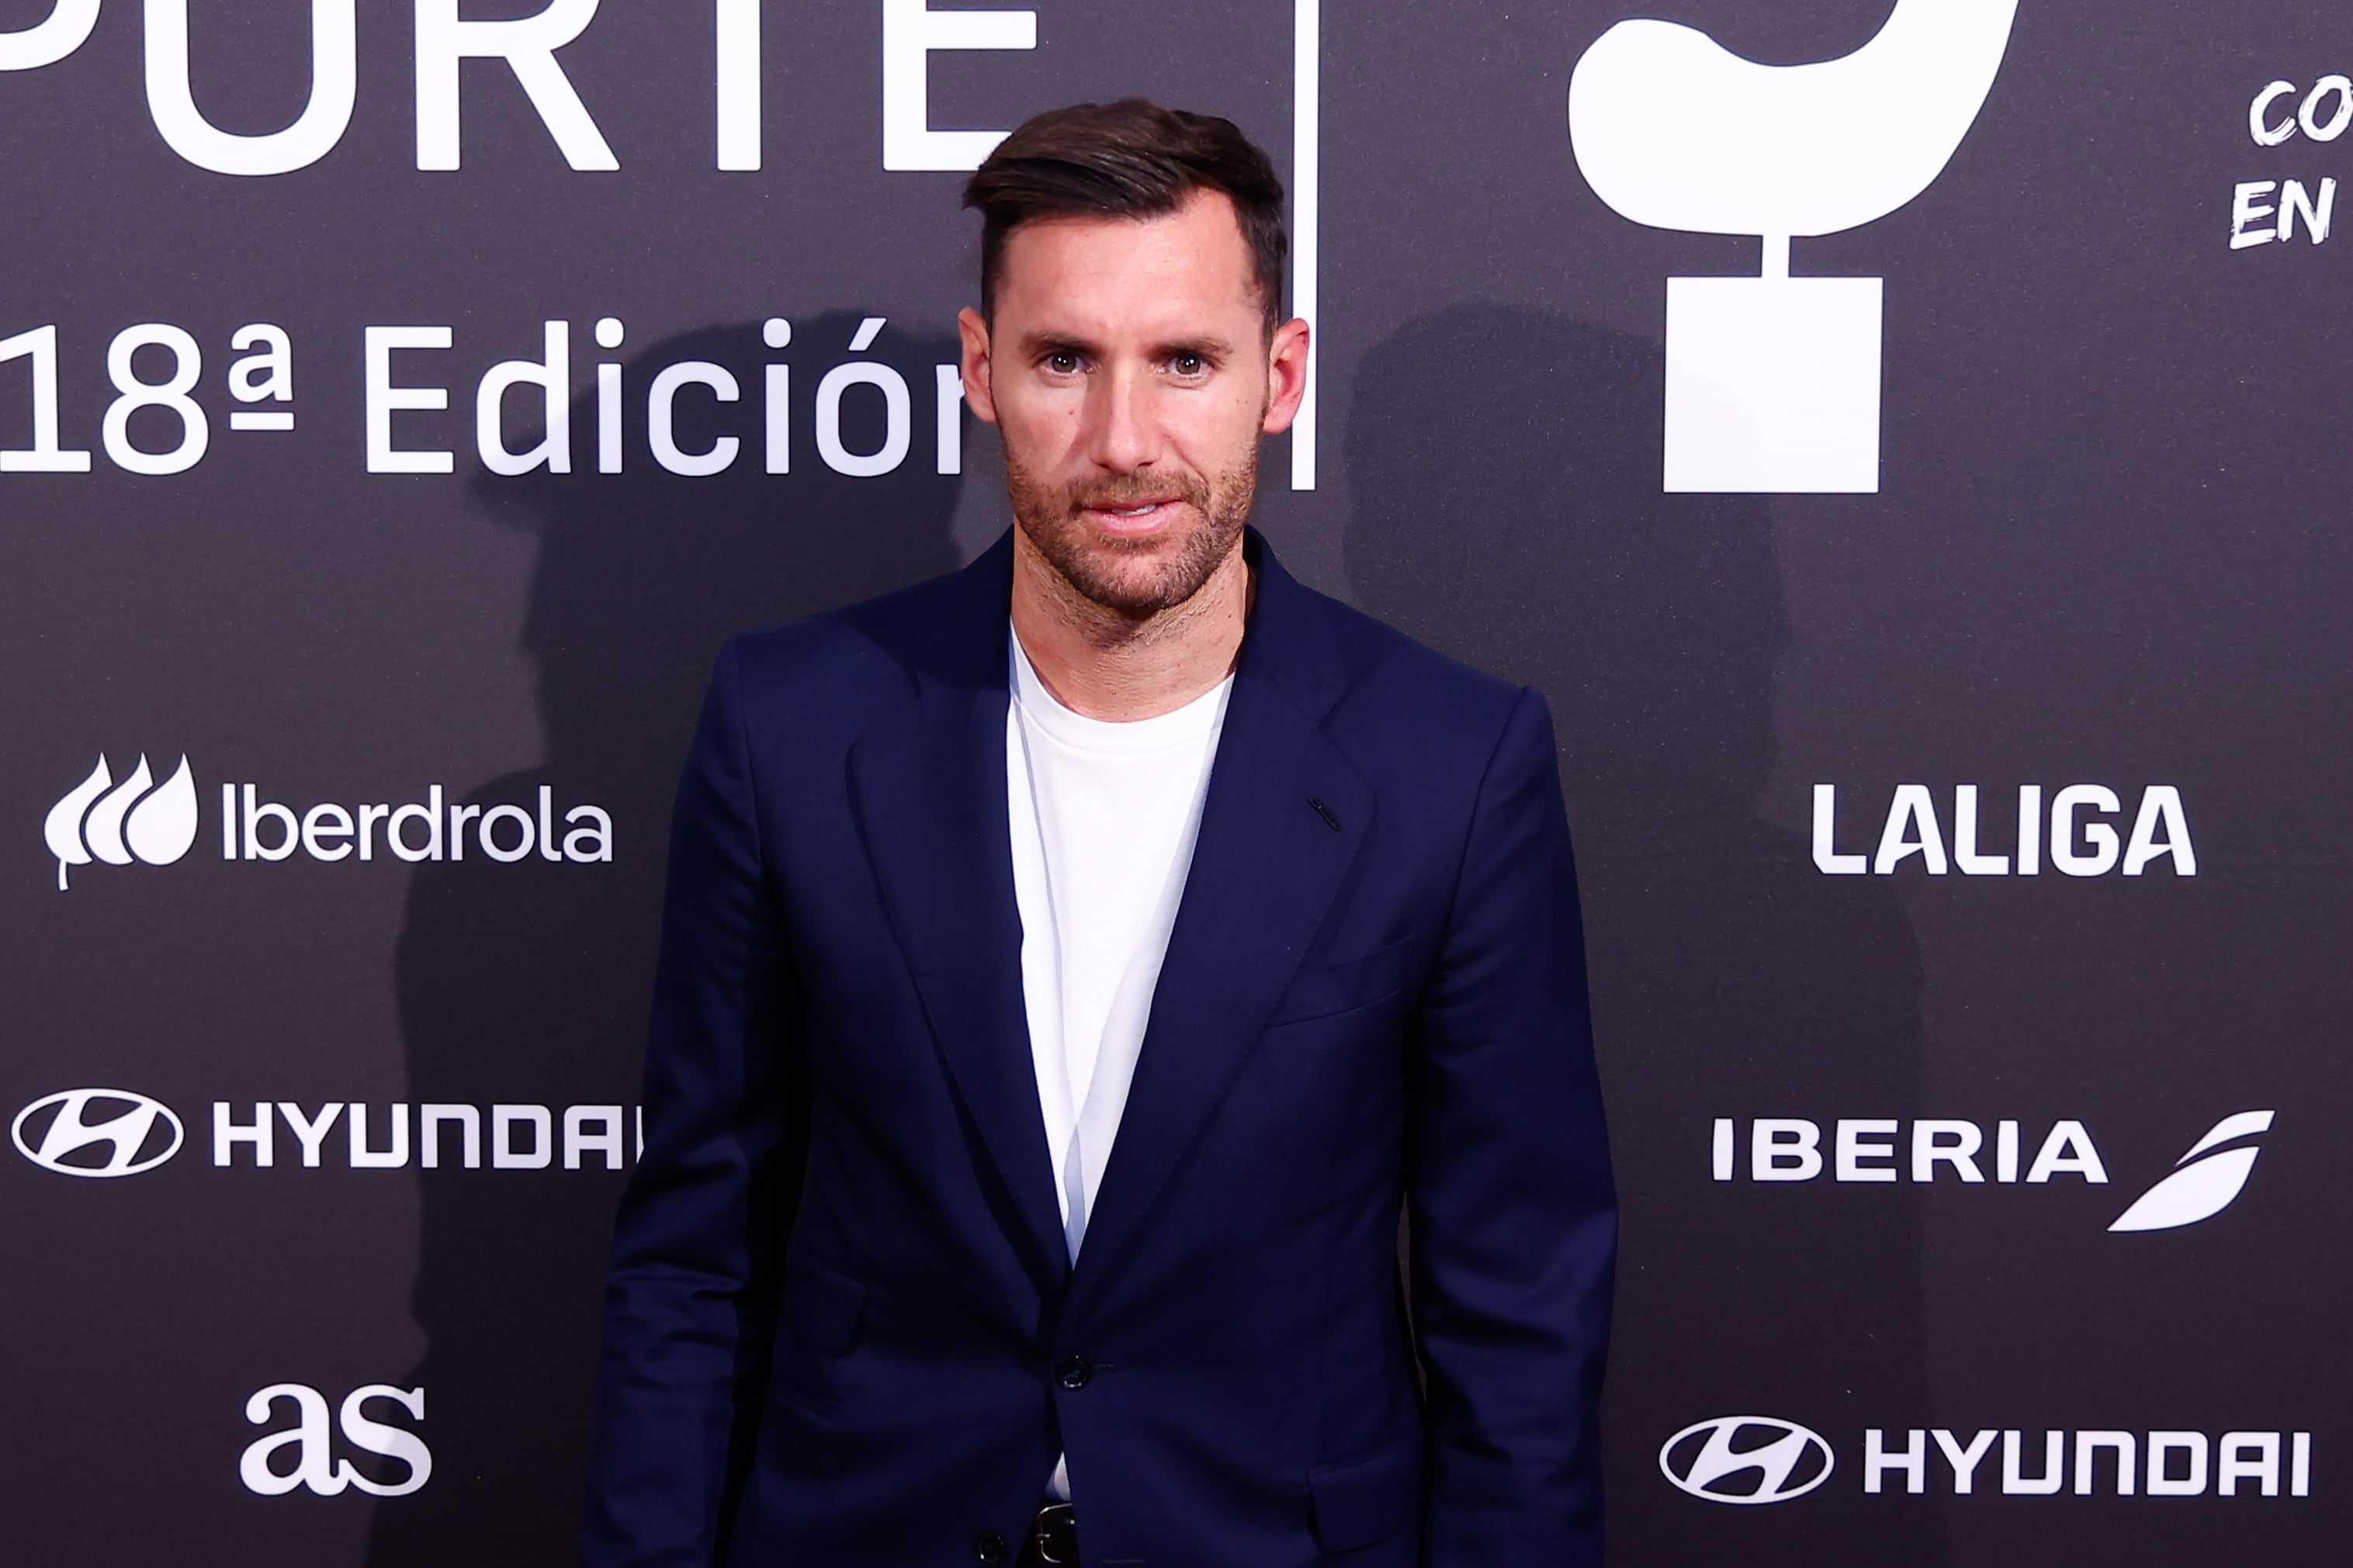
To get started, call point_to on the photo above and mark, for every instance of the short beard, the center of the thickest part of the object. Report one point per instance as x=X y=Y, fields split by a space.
x=1091 y=564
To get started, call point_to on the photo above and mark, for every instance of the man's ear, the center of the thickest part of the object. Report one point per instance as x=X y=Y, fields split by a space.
x=974 y=329
x=1286 y=375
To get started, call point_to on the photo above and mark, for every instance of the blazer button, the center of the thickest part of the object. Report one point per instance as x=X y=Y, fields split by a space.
x=1074 y=1372
x=989 y=1547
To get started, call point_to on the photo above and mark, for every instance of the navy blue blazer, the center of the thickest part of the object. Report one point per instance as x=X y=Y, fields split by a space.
x=842 y=1330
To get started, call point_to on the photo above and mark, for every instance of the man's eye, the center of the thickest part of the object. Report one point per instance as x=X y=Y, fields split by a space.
x=1189 y=364
x=1062 y=363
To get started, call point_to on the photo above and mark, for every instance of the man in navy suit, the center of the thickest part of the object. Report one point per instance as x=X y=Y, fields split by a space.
x=1073 y=966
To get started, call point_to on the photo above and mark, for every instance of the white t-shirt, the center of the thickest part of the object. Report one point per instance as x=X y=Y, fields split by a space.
x=1104 y=817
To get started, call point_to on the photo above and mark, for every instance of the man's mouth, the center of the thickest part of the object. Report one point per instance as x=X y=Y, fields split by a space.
x=1134 y=518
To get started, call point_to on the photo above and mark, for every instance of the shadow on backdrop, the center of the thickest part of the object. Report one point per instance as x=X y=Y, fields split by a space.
x=1505 y=469
x=530 y=983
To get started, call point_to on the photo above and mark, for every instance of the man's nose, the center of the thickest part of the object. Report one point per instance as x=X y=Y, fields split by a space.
x=1121 y=433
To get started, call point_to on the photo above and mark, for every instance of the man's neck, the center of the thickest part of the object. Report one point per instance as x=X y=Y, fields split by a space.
x=1104 y=665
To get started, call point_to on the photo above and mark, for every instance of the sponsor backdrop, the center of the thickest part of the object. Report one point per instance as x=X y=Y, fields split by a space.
x=1908 y=443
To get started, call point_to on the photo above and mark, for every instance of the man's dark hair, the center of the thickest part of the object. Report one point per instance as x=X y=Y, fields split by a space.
x=1129 y=158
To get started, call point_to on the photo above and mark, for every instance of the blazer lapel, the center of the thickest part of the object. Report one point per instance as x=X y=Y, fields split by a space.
x=1266 y=867
x=928 y=785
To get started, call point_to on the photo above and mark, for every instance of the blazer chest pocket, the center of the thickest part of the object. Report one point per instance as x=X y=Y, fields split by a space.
x=1344 y=987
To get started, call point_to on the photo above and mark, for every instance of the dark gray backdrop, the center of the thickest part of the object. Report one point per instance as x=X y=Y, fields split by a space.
x=2108 y=548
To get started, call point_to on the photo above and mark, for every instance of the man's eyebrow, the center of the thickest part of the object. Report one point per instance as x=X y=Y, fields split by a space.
x=1035 y=344
x=1207 y=348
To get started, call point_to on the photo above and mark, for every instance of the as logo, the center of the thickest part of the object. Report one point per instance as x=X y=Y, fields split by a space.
x=2205 y=1180
x=311 y=1443
x=118 y=823
x=96 y=1132
x=1747 y=1459
x=1773 y=381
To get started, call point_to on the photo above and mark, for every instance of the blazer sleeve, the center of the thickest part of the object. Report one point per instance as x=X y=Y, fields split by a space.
x=1513 y=1213
x=696 y=1262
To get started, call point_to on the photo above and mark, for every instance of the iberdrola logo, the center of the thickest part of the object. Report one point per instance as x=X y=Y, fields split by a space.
x=136 y=819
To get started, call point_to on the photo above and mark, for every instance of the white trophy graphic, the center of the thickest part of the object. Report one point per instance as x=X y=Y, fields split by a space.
x=1773 y=381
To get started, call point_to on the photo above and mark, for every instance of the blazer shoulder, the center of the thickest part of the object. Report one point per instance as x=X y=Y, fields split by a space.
x=1400 y=676
x=803 y=691
x=847 y=659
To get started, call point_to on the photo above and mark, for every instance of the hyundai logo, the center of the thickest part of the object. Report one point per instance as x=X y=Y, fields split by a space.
x=1747 y=1459
x=97 y=1133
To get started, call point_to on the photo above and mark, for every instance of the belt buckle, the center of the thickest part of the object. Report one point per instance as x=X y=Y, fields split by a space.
x=1053 y=1534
